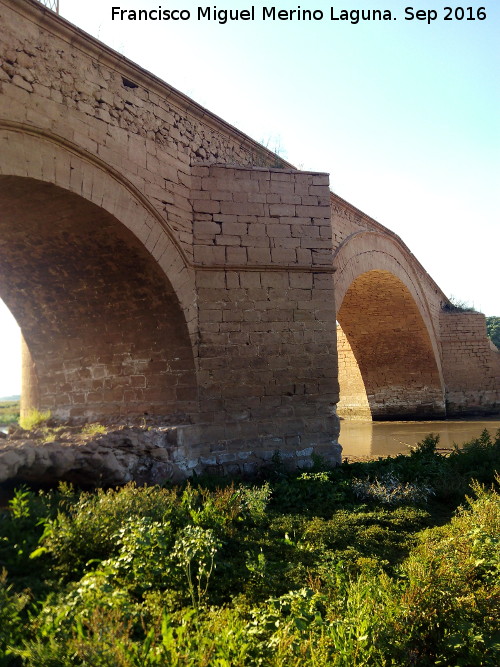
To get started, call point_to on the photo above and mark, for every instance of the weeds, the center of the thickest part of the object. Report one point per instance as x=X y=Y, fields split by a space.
x=389 y=490
x=33 y=419
x=195 y=549
x=358 y=565
x=93 y=429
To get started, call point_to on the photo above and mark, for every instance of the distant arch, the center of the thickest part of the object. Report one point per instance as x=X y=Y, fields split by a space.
x=386 y=331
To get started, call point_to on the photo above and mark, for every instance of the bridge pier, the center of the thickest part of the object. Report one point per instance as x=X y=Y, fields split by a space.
x=30 y=398
x=267 y=357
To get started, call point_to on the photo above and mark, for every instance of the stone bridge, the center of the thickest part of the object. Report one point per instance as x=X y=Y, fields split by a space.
x=160 y=262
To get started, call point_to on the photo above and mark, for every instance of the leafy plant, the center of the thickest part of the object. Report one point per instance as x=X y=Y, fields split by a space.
x=145 y=559
x=11 y=618
x=86 y=530
x=195 y=549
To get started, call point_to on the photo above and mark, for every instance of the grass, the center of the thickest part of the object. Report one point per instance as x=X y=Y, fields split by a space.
x=93 y=429
x=391 y=562
x=9 y=412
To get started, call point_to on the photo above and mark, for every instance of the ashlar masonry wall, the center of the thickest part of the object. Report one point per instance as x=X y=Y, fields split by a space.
x=471 y=365
x=267 y=337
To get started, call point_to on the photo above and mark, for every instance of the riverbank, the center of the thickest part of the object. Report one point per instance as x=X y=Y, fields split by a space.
x=363 y=564
x=9 y=413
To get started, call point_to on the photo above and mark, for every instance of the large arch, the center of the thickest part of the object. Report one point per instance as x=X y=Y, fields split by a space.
x=35 y=153
x=389 y=362
x=102 y=294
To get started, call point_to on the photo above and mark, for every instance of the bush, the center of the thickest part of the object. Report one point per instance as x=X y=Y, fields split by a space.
x=34 y=419
x=87 y=530
x=11 y=619
x=449 y=606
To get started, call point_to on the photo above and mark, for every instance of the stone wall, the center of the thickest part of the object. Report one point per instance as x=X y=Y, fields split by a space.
x=471 y=365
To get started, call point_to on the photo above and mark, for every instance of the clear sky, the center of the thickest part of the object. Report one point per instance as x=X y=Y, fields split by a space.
x=404 y=115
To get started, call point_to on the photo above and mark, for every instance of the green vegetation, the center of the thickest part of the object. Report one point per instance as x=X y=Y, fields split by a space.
x=34 y=419
x=390 y=562
x=493 y=329
x=455 y=305
x=9 y=412
x=93 y=429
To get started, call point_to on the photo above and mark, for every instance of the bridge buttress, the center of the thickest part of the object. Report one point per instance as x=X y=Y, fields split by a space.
x=267 y=358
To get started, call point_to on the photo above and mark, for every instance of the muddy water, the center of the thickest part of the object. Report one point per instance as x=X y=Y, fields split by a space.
x=373 y=439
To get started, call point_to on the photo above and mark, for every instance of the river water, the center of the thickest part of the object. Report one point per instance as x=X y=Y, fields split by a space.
x=372 y=439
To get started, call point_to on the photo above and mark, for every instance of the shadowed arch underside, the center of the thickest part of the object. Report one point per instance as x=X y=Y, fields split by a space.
x=387 y=366
x=102 y=323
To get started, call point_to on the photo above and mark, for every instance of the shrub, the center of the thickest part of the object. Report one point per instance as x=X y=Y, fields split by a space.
x=87 y=530
x=145 y=559
x=21 y=526
x=34 y=419
x=449 y=607
x=11 y=619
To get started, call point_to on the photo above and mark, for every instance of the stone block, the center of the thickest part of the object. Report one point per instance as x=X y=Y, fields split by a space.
x=279 y=210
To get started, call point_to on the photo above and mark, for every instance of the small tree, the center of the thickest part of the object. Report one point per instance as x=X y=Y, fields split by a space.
x=455 y=305
x=493 y=329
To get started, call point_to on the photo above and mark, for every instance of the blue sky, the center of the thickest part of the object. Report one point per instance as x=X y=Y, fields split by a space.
x=403 y=115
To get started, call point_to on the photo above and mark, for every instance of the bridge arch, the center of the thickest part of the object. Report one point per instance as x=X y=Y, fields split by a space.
x=103 y=294
x=389 y=362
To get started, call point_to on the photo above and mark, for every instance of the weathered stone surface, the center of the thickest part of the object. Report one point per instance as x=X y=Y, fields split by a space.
x=145 y=455
x=114 y=458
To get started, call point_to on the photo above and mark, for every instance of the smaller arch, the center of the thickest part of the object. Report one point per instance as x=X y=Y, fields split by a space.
x=392 y=348
x=387 y=332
